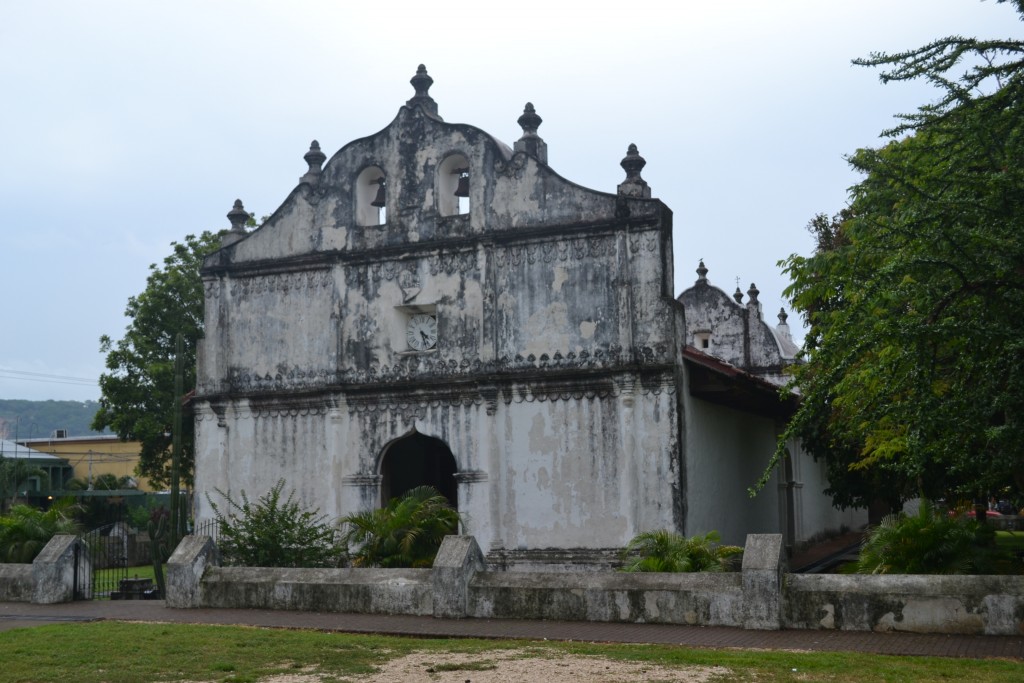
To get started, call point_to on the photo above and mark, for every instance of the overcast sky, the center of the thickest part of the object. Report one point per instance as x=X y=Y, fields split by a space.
x=126 y=125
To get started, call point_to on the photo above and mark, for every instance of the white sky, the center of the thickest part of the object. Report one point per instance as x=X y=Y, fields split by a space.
x=126 y=125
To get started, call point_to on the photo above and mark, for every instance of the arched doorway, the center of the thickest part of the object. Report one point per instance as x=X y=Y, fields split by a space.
x=418 y=460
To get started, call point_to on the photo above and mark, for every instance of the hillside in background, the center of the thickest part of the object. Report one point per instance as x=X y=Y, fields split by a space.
x=37 y=419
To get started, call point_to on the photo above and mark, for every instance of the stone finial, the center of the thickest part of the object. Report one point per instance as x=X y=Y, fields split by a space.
x=315 y=158
x=754 y=303
x=702 y=273
x=530 y=121
x=421 y=82
x=530 y=142
x=738 y=295
x=238 y=217
x=634 y=185
x=783 y=327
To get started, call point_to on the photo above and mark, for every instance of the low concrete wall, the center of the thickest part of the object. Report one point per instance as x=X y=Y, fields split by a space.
x=368 y=591
x=16 y=583
x=704 y=599
x=51 y=576
x=194 y=579
x=761 y=596
x=992 y=605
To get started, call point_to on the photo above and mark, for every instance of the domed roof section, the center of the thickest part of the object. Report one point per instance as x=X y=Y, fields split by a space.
x=722 y=326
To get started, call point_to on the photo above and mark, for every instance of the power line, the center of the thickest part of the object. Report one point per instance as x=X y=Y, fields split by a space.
x=43 y=377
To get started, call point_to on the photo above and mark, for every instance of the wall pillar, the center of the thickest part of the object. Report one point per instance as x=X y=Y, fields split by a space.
x=53 y=570
x=185 y=570
x=762 y=582
x=457 y=561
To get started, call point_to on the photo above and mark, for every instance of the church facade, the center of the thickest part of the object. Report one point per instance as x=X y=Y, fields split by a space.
x=432 y=306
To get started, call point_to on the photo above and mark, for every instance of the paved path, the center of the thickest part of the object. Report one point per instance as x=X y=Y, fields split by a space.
x=20 y=614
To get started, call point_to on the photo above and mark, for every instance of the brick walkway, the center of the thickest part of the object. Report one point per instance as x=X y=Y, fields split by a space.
x=19 y=614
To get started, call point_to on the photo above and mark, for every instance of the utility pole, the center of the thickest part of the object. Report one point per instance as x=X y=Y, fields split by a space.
x=176 y=525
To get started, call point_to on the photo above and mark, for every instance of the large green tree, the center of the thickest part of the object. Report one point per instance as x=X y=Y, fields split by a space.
x=137 y=400
x=914 y=376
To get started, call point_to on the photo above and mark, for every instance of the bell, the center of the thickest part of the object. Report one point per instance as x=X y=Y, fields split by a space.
x=463 y=189
x=378 y=201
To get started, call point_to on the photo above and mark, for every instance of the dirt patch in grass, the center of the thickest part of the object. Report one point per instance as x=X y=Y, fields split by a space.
x=526 y=666
x=519 y=665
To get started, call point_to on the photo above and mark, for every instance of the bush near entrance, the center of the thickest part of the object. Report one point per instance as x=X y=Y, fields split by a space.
x=667 y=551
x=407 y=532
x=272 y=532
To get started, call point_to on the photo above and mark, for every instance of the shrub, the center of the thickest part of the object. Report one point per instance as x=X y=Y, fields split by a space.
x=667 y=551
x=274 y=533
x=931 y=542
x=25 y=530
x=406 y=533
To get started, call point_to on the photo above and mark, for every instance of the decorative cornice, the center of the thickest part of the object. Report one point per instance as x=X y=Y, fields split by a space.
x=560 y=250
x=414 y=401
x=420 y=368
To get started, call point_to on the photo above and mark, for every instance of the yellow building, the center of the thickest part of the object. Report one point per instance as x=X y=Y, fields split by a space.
x=92 y=456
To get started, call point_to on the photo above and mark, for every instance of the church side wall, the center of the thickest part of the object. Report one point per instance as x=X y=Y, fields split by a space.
x=816 y=514
x=726 y=450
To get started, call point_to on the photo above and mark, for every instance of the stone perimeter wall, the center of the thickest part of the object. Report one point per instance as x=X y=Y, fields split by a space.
x=761 y=596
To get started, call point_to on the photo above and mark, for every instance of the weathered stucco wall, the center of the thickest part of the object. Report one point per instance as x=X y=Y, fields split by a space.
x=587 y=472
x=575 y=469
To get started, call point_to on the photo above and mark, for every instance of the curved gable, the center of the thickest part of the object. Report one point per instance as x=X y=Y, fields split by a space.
x=406 y=167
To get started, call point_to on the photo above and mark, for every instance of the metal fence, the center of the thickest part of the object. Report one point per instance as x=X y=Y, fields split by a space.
x=208 y=528
x=107 y=547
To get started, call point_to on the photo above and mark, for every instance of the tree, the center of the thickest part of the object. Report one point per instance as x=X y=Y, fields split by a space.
x=407 y=532
x=137 y=400
x=25 y=531
x=14 y=473
x=666 y=551
x=913 y=380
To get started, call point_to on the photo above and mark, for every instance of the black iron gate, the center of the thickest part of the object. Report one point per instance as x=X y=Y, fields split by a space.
x=101 y=562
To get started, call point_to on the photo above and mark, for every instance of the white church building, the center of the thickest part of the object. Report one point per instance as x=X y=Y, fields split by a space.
x=433 y=306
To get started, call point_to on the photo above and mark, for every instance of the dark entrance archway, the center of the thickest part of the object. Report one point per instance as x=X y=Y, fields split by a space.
x=418 y=460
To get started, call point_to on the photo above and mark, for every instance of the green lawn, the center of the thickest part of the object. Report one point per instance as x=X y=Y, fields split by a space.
x=1013 y=540
x=115 y=652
